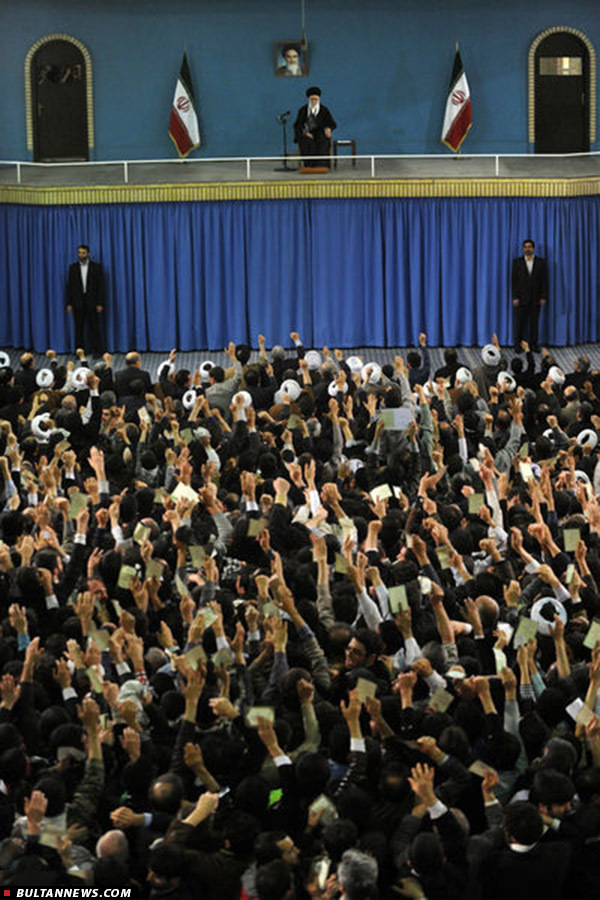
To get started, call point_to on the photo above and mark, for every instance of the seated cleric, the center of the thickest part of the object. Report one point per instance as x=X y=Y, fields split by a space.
x=312 y=128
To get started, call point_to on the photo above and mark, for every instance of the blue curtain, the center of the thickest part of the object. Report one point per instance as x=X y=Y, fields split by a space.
x=346 y=272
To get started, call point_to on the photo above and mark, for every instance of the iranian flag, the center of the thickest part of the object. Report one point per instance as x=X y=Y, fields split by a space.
x=457 y=118
x=183 y=125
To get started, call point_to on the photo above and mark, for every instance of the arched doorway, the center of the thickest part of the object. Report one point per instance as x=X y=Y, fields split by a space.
x=562 y=91
x=58 y=88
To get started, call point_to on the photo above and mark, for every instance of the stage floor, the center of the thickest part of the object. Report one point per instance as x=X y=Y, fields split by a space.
x=565 y=357
x=199 y=171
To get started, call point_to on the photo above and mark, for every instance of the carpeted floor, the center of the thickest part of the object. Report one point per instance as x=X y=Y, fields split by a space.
x=471 y=356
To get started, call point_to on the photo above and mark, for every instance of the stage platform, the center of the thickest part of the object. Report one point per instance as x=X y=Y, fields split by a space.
x=565 y=357
x=440 y=175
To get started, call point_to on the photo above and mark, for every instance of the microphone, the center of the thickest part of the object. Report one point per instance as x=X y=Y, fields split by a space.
x=283 y=116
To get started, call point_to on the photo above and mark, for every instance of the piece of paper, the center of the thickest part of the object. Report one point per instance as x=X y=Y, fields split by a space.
x=141 y=533
x=507 y=629
x=476 y=501
x=381 y=492
x=322 y=803
x=154 y=569
x=479 y=767
x=302 y=516
x=397 y=491
x=501 y=661
x=184 y=492
x=440 y=700
x=144 y=416
x=259 y=712
x=187 y=436
x=180 y=586
x=443 y=555
x=209 y=615
x=159 y=495
x=585 y=715
x=526 y=472
x=593 y=636
x=425 y=584
x=294 y=421
x=195 y=656
x=340 y=564
x=117 y=608
x=398 y=599
x=396 y=419
x=365 y=688
x=524 y=450
x=526 y=631
x=62 y=446
x=197 y=555
x=256 y=527
x=78 y=503
x=574 y=708
x=222 y=659
x=475 y=464
x=95 y=680
x=269 y=609
x=570 y=573
x=101 y=638
x=126 y=575
x=571 y=537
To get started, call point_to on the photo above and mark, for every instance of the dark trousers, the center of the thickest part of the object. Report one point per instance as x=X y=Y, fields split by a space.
x=88 y=333
x=526 y=320
x=314 y=147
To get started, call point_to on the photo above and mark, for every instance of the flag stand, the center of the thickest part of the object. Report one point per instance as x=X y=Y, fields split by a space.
x=282 y=119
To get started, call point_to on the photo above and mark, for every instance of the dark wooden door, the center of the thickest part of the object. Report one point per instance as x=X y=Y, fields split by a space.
x=561 y=86
x=59 y=97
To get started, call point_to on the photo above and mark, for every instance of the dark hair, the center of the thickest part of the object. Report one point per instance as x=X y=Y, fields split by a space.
x=167 y=860
x=273 y=880
x=529 y=241
x=83 y=247
x=550 y=786
x=339 y=836
x=523 y=822
x=55 y=793
x=166 y=793
x=370 y=640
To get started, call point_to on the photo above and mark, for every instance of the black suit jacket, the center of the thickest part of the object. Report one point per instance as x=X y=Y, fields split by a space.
x=324 y=120
x=94 y=295
x=529 y=289
x=124 y=377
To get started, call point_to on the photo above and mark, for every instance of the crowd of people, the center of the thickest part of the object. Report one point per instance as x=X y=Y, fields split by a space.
x=305 y=627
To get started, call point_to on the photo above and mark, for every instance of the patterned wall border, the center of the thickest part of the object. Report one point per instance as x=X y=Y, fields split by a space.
x=89 y=85
x=531 y=76
x=290 y=190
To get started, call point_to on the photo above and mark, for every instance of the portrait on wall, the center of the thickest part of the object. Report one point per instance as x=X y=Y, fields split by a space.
x=291 y=59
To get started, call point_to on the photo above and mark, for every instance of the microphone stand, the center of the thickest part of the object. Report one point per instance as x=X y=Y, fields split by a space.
x=282 y=119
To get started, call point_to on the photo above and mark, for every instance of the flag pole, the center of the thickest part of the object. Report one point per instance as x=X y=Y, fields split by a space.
x=456 y=155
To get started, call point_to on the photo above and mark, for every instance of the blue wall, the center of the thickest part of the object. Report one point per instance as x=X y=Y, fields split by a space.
x=384 y=67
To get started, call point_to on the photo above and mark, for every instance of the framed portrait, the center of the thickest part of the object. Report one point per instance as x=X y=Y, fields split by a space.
x=291 y=59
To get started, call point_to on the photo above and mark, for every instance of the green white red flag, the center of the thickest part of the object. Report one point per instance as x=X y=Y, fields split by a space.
x=457 y=118
x=183 y=125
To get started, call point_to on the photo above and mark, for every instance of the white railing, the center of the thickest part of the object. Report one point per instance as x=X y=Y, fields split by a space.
x=248 y=161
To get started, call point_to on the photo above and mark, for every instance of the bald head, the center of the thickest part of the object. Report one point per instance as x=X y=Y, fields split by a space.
x=488 y=612
x=113 y=845
x=133 y=358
